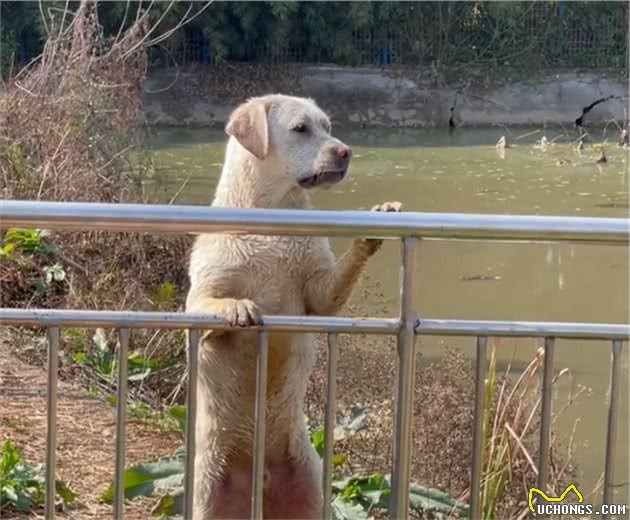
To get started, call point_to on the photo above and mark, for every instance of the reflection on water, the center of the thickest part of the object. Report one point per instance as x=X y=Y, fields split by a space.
x=462 y=172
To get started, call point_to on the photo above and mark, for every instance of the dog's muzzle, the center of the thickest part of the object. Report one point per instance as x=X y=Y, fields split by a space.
x=323 y=178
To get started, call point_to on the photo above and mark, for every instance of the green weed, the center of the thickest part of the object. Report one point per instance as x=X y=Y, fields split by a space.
x=22 y=484
x=26 y=241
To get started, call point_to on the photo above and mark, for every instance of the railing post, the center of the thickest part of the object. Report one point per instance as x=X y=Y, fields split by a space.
x=258 y=470
x=329 y=425
x=51 y=421
x=545 y=420
x=613 y=416
x=121 y=424
x=477 y=448
x=399 y=503
x=191 y=420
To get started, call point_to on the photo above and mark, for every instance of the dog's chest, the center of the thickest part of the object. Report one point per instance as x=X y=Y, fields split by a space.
x=279 y=267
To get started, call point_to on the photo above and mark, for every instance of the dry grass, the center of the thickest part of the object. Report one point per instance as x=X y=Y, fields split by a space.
x=67 y=124
x=66 y=118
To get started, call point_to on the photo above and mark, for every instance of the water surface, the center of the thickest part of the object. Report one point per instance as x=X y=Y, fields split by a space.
x=462 y=172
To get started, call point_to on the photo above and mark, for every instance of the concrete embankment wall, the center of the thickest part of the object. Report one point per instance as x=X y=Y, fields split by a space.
x=371 y=97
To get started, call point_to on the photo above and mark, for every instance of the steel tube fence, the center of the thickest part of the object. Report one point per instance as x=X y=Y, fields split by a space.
x=191 y=419
x=329 y=423
x=258 y=469
x=613 y=419
x=121 y=422
x=480 y=397
x=83 y=216
x=409 y=227
x=545 y=420
x=51 y=420
x=399 y=500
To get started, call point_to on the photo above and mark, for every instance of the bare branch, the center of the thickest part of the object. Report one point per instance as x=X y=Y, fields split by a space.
x=182 y=23
x=152 y=28
x=41 y=12
x=122 y=24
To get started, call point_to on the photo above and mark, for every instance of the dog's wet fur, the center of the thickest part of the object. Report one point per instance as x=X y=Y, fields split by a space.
x=279 y=148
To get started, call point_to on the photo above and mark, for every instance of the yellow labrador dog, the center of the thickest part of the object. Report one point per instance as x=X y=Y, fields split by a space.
x=280 y=147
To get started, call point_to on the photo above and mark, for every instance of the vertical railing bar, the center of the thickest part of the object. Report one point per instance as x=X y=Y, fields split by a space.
x=477 y=447
x=191 y=420
x=121 y=424
x=258 y=470
x=399 y=503
x=51 y=420
x=329 y=425
x=545 y=420
x=613 y=416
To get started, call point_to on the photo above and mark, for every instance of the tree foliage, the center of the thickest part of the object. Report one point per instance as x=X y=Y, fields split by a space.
x=591 y=34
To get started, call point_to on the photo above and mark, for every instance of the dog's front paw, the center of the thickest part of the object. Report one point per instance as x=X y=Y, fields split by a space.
x=241 y=313
x=372 y=245
x=388 y=206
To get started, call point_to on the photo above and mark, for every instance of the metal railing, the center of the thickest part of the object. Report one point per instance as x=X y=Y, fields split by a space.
x=410 y=228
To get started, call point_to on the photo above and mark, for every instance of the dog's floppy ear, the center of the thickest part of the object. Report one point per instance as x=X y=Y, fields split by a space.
x=248 y=125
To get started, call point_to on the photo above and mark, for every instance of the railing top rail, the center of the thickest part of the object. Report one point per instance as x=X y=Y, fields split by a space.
x=77 y=216
x=176 y=320
x=524 y=329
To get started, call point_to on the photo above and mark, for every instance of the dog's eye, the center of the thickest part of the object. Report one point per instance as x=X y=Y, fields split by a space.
x=300 y=129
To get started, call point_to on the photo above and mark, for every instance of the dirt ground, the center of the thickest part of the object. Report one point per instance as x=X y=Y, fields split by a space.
x=85 y=438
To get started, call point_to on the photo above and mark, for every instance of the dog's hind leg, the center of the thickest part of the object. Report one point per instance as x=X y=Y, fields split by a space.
x=226 y=498
x=294 y=490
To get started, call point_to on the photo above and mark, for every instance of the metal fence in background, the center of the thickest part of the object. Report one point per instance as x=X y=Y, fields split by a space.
x=411 y=229
x=523 y=34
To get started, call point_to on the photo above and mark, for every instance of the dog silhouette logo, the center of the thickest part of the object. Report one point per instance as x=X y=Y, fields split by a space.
x=547 y=498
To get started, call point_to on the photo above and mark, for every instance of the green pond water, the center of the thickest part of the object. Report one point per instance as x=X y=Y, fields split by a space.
x=437 y=171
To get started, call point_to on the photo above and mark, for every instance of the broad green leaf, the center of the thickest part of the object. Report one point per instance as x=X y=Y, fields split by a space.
x=339 y=485
x=376 y=490
x=343 y=509
x=373 y=490
x=22 y=484
x=146 y=479
x=9 y=493
x=428 y=499
x=23 y=501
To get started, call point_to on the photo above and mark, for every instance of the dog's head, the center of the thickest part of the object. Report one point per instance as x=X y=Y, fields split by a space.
x=292 y=136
